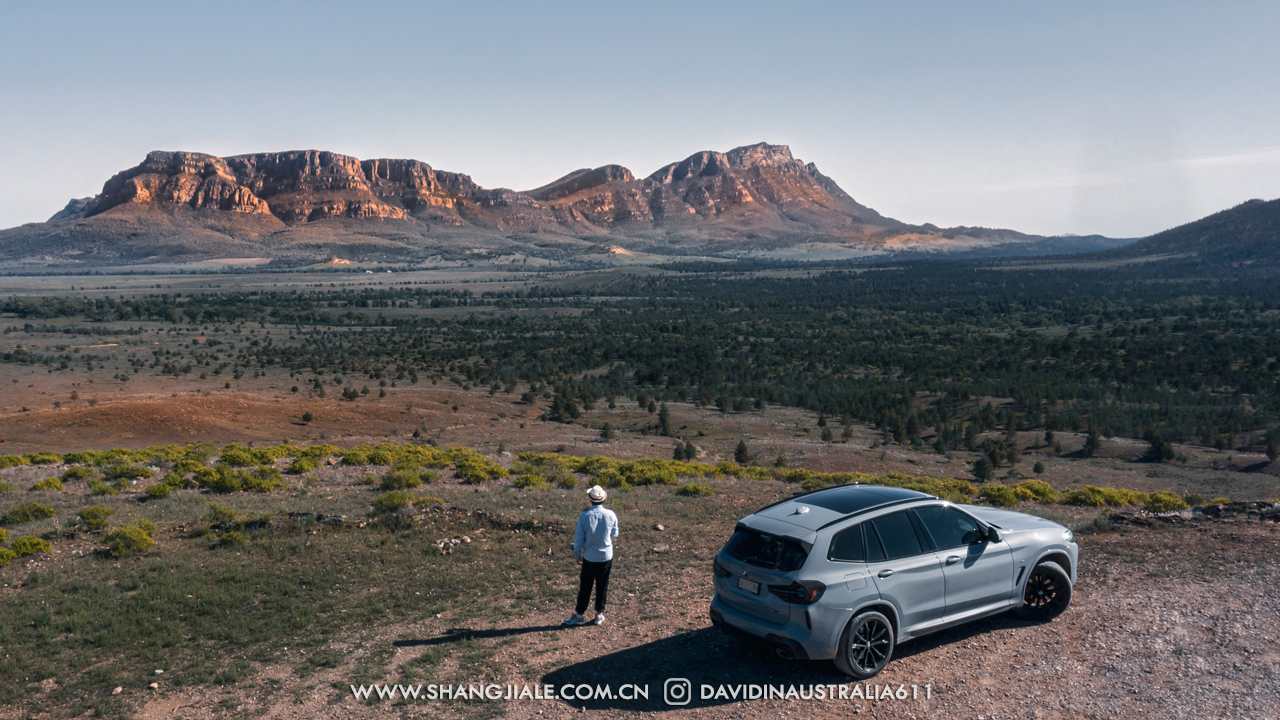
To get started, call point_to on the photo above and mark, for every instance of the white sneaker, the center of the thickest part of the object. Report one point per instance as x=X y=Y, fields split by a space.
x=598 y=619
x=575 y=619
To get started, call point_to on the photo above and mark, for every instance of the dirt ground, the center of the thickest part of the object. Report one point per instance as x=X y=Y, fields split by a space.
x=1165 y=622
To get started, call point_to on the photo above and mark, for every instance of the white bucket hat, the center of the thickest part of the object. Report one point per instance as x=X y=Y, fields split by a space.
x=597 y=494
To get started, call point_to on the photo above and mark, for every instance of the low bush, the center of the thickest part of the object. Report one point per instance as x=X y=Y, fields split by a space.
x=221 y=514
x=1163 y=502
x=1216 y=501
x=389 y=502
x=159 y=490
x=1037 y=490
x=95 y=517
x=97 y=487
x=998 y=495
x=239 y=456
x=28 y=512
x=131 y=539
x=230 y=537
x=302 y=465
x=402 y=479
x=84 y=457
x=52 y=484
x=5 y=487
x=471 y=467
x=4 y=536
x=78 y=473
x=695 y=489
x=8 y=461
x=264 y=479
x=6 y=556
x=29 y=545
x=531 y=481
x=44 y=458
x=126 y=472
x=1094 y=496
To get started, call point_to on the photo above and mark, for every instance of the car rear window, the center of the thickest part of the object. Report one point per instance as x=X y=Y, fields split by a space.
x=847 y=546
x=766 y=551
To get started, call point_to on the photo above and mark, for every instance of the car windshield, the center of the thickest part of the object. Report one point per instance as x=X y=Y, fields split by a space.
x=767 y=551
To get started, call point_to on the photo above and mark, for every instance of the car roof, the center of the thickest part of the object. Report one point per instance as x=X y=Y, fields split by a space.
x=815 y=510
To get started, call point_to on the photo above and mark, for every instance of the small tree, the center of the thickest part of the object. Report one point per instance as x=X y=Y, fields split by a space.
x=308 y=417
x=664 y=421
x=1039 y=468
x=741 y=454
x=678 y=453
x=827 y=435
x=1092 y=442
x=690 y=452
x=982 y=469
x=607 y=433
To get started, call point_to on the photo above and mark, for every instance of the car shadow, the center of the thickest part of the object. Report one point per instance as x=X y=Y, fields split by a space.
x=709 y=657
x=460 y=634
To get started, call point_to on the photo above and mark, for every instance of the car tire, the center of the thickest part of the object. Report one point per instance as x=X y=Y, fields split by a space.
x=1047 y=593
x=866 y=645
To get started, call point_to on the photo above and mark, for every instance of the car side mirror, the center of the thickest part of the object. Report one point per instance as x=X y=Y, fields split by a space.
x=993 y=535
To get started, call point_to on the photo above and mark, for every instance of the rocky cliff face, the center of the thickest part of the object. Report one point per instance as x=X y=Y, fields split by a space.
x=763 y=183
x=757 y=198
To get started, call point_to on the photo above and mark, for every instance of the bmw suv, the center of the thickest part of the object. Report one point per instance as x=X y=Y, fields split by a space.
x=849 y=572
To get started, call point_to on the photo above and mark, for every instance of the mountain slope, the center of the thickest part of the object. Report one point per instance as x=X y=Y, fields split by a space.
x=753 y=200
x=1246 y=233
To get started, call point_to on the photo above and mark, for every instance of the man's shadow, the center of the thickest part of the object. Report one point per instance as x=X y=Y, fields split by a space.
x=453 y=635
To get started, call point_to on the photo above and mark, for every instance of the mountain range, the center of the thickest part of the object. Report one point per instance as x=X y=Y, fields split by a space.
x=308 y=205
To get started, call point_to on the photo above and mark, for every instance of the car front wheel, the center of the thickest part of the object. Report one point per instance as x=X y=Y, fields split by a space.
x=1047 y=594
x=866 y=645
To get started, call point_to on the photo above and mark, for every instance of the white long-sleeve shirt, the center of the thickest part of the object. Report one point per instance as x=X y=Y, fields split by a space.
x=593 y=539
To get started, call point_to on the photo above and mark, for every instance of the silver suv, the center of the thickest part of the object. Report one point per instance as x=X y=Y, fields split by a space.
x=847 y=573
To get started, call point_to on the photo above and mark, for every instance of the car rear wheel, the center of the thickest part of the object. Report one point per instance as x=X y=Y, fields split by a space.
x=866 y=645
x=1047 y=594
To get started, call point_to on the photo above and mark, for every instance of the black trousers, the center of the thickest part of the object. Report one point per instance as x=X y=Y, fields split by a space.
x=593 y=573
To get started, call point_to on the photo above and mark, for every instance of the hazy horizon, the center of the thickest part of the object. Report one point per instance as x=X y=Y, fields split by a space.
x=1092 y=118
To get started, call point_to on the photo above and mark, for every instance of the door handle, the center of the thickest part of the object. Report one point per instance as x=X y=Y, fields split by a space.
x=953 y=559
x=886 y=573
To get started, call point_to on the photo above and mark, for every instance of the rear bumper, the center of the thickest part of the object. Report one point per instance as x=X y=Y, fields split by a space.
x=742 y=626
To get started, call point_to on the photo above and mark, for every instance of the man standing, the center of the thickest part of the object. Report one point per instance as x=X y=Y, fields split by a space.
x=593 y=547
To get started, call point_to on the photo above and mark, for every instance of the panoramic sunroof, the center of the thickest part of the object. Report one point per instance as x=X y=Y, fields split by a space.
x=852 y=498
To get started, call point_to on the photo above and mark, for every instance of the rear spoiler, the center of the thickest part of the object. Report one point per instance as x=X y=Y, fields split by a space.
x=778 y=529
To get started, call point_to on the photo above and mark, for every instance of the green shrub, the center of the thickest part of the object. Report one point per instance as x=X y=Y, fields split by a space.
x=221 y=478
x=1164 y=501
x=302 y=465
x=358 y=455
x=44 y=458
x=531 y=481
x=186 y=466
x=390 y=502
x=126 y=472
x=1218 y=500
x=471 y=467
x=422 y=500
x=27 y=512
x=815 y=483
x=221 y=514
x=29 y=545
x=95 y=517
x=53 y=484
x=4 y=536
x=1038 y=490
x=367 y=480
x=998 y=495
x=8 y=461
x=264 y=479
x=402 y=479
x=239 y=456
x=84 y=457
x=6 y=556
x=319 y=452
x=1094 y=496
x=97 y=487
x=159 y=490
x=78 y=473
x=695 y=489
x=5 y=487
x=231 y=537
x=129 y=540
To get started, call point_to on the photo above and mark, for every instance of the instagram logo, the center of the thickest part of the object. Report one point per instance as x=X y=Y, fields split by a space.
x=677 y=691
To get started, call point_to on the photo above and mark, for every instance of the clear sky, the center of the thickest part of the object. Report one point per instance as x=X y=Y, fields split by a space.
x=1120 y=118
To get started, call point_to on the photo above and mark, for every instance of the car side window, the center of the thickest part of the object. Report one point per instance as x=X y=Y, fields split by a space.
x=847 y=546
x=948 y=527
x=898 y=536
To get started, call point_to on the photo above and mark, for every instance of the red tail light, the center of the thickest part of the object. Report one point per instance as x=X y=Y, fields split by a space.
x=800 y=593
x=718 y=569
